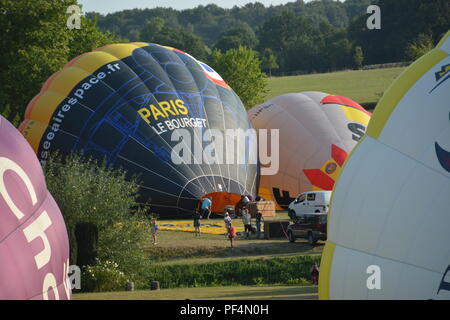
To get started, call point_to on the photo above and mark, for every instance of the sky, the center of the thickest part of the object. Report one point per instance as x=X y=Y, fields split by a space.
x=108 y=6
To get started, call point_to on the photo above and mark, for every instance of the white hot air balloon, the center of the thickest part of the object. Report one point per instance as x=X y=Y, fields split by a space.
x=388 y=225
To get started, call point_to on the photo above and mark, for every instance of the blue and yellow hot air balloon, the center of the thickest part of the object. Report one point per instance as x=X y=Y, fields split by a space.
x=123 y=102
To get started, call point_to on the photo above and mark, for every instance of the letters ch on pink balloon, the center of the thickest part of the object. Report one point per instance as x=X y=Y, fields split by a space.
x=34 y=246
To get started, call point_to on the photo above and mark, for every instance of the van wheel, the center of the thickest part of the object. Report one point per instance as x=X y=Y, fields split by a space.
x=311 y=239
x=292 y=215
x=291 y=236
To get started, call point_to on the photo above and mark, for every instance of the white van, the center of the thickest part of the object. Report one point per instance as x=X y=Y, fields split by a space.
x=309 y=202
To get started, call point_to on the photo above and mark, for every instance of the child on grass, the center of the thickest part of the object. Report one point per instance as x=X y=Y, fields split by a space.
x=154 y=229
x=231 y=235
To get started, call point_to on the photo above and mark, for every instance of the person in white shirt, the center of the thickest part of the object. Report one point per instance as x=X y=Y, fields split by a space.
x=227 y=220
x=246 y=219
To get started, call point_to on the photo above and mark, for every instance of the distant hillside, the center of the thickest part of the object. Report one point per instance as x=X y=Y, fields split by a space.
x=208 y=22
x=294 y=38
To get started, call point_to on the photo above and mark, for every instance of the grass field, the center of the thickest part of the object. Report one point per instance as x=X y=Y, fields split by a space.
x=190 y=267
x=209 y=293
x=364 y=86
x=184 y=247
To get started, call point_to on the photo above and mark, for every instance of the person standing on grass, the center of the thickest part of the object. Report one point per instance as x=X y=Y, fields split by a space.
x=197 y=218
x=231 y=235
x=227 y=220
x=246 y=219
x=315 y=274
x=154 y=229
x=259 y=219
x=206 y=207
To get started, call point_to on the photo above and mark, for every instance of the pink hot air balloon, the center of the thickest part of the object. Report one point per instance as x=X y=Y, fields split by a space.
x=34 y=246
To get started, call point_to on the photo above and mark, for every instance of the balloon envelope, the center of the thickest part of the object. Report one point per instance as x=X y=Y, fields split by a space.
x=148 y=109
x=34 y=246
x=388 y=225
x=316 y=132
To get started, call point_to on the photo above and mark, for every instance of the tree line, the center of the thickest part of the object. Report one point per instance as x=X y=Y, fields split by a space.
x=241 y=42
x=294 y=38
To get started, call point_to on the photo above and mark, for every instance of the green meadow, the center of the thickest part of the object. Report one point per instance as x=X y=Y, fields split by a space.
x=208 y=293
x=364 y=86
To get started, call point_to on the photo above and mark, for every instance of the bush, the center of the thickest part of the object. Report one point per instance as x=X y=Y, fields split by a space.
x=89 y=192
x=280 y=271
x=103 y=276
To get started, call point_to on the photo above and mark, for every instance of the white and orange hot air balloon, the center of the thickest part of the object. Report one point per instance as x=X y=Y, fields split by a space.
x=316 y=133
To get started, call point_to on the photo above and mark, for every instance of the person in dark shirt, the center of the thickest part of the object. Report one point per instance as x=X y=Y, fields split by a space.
x=259 y=220
x=315 y=274
x=197 y=217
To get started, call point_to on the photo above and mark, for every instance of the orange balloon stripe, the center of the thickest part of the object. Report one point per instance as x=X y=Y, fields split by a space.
x=339 y=155
x=319 y=179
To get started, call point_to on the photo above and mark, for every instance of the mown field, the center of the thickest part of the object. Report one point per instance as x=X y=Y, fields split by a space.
x=210 y=293
x=189 y=267
x=364 y=86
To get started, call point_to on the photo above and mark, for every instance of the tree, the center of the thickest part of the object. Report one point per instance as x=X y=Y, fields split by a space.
x=389 y=43
x=236 y=37
x=269 y=61
x=36 y=43
x=358 y=57
x=157 y=31
x=241 y=69
x=419 y=46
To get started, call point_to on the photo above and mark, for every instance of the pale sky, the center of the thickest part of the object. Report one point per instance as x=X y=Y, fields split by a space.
x=108 y=6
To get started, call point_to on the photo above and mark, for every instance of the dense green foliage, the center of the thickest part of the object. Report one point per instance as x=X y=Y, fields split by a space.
x=158 y=31
x=291 y=270
x=402 y=21
x=36 y=42
x=241 y=69
x=88 y=192
x=294 y=38
x=210 y=22
x=317 y=36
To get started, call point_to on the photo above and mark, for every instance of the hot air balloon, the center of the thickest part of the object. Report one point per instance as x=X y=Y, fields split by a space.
x=388 y=224
x=316 y=132
x=148 y=109
x=34 y=246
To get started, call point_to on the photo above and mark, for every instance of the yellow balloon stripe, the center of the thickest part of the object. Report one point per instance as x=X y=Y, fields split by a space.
x=441 y=43
x=328 y=251
x=355 y=115
x=33 y=132
x=399 y=88
x=44 y=106
x=325 y=270
x=266 y=193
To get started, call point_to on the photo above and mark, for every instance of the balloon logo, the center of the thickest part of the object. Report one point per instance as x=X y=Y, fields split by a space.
x=317 y=131
x=390 y=207
x=443 y=156
x=34 y=246
x=148 y=109
x=331 y=167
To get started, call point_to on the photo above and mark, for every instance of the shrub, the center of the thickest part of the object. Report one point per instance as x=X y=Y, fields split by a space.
x=89 y=192
x=103 y=276
x=286 y=271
